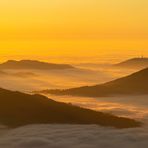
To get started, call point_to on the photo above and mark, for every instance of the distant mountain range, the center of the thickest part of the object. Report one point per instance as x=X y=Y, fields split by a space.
x=133 y=63
x=31 y=64
x=134 y=84
x=18 y=109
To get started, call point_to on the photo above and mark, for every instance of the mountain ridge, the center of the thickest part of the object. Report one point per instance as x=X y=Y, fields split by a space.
x=134 y=84
x=18 y=109
x=133 y=63
x=32 y=64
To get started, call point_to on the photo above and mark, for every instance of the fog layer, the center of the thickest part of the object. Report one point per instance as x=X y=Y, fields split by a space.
x=73 y=136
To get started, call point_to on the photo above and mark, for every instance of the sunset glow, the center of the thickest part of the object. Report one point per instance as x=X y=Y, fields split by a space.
x=63 y=27
x=73 y=73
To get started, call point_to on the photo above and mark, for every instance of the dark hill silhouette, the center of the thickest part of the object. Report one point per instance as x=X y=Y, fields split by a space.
x=133 y=63
x=17 y=109
x=31 y=64
x=135 y=84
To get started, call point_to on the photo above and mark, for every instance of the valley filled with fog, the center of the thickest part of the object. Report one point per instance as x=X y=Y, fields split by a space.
x=83 y=74
x=33 y=80
x=73 y=74
x=76 y=136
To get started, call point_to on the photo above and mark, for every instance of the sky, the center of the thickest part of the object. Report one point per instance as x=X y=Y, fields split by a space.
x=73 y=27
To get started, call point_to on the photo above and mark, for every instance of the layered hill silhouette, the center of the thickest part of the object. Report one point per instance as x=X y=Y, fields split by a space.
x=134 y=84
x=32 y=64
x=18 y=109
x=133 y=63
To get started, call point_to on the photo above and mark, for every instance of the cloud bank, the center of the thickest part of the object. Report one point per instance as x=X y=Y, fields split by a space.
x=73 y=136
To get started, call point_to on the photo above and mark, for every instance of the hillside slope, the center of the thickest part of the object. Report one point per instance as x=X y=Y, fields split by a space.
x=30 y=64
x=17 y=109
x=134 y=84
x=133 y=63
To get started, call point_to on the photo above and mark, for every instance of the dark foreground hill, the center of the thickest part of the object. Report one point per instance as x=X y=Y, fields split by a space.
x=135 y=84
x=30 y=64
x=18 y=109
x=133 y=63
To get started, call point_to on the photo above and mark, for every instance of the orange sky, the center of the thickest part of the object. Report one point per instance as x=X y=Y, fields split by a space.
x=72 y=27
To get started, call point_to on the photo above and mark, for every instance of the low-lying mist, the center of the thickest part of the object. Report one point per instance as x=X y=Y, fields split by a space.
x=126 y=106
x=31 y=80
x=73 y=136
x=76 y=136
x=34 y=80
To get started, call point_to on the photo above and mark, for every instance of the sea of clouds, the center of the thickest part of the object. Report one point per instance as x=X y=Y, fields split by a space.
x=73 y=136
x=85 y=136
x=76 y=136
